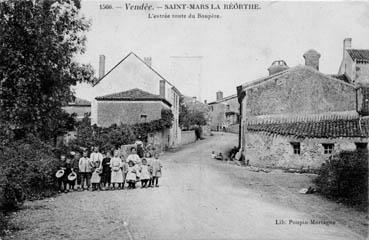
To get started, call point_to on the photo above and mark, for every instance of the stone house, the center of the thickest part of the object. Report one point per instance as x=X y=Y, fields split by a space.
x=297 y=116
x=355 y=64
x=224 y=113
x=129 y=73
x=80 y=107
x=131 y=107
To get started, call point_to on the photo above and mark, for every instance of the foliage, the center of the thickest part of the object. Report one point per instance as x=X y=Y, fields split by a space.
x=27 y=170
x=188 y=119
x=115 y=136
x=38 y=42
x=345 y=177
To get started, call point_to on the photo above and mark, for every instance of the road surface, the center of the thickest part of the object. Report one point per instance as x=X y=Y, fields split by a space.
x=198 y=198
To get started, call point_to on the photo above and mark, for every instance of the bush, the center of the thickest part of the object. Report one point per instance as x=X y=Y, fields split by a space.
x=344 y=177
x=27 y=172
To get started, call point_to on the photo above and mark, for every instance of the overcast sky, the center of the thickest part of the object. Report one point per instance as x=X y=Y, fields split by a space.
x=235 y=49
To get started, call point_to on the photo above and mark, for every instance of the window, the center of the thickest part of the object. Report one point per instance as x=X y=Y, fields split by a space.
x=328 y=148
x=296 y=147
x=143 y=118
x=362 y=146
x=228 y=107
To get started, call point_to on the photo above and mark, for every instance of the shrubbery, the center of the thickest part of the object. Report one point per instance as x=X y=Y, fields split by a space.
x=344 y=177
x=27 y=170
x=117 y=135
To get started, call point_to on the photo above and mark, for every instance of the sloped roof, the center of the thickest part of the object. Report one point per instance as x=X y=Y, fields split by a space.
x=316 y=129
x=340 y=77
x=80 y=102
x=135 y=94
x=300 y=71
x=224 y=99
x=143 y=62
x=359 y=54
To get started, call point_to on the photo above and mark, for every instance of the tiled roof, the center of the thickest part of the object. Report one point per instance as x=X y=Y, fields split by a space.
x=340 y=77
x=359 y=54
x=133 y=95
x=224 y=99
x=316 y=129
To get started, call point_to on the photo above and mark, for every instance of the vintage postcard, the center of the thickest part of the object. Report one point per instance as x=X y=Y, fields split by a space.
x=184 y=119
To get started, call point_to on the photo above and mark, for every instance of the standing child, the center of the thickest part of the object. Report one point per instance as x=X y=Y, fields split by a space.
x=96 y=171
x=106 y=171
x=149 y=161
x=144 y=173
x=131 y=175
x=156 y=170
x=68 y=185
x=85 y=170
x=116 y=170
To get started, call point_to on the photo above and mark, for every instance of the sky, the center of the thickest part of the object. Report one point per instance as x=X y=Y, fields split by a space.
x=237 y=48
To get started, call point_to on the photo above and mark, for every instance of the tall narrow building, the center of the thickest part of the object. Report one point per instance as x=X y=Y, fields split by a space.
x=185 y=73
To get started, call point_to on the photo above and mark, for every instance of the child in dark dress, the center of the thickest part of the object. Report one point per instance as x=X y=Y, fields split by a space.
x=106 y=171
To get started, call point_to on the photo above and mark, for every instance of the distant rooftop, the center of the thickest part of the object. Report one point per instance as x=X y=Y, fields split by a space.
x=359 y=54
x=132 y=95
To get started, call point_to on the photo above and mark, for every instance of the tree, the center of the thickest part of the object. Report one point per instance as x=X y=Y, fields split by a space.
x=190 y=118
x=38 y=44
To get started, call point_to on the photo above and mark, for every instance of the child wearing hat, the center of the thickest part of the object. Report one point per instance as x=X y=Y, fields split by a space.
x=131 y=175
x=61 y=173
x=68 y=185
x=116 y=170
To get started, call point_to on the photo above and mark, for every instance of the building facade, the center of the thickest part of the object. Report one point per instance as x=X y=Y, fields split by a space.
x=134 y=72
x=224 y=113
x=297 y=117
x=355 y=63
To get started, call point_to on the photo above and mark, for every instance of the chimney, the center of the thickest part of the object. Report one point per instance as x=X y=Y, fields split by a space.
x=277 y=66
x=312 y=59
x=148 y=60
x=101 y=66
x=219 y=95
x=346 y=45
x=162 y=88
x=205 y=101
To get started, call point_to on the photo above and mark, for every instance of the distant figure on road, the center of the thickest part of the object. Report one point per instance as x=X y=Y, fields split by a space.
x=219 y=156
x=156 y=170
x=213 y=155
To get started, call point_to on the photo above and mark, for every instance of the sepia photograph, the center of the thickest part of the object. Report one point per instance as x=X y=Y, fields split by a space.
x=170 y=119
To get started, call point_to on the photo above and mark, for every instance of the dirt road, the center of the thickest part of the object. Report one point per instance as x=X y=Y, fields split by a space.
x=198 y=198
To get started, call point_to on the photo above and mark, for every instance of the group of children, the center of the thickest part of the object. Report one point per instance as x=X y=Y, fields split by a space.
x=109 y=171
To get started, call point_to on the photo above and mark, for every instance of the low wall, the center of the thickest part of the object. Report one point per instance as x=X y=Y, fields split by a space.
x=187 y=137
x=235 y=128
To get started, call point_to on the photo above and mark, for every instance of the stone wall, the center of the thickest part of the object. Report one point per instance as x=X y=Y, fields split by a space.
x=303 y=90
x=127 y=112
x=217 y=113
x=188 y=137
x=264 y=150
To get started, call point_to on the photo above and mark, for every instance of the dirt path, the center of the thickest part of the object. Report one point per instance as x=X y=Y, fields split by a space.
x=198 y=198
